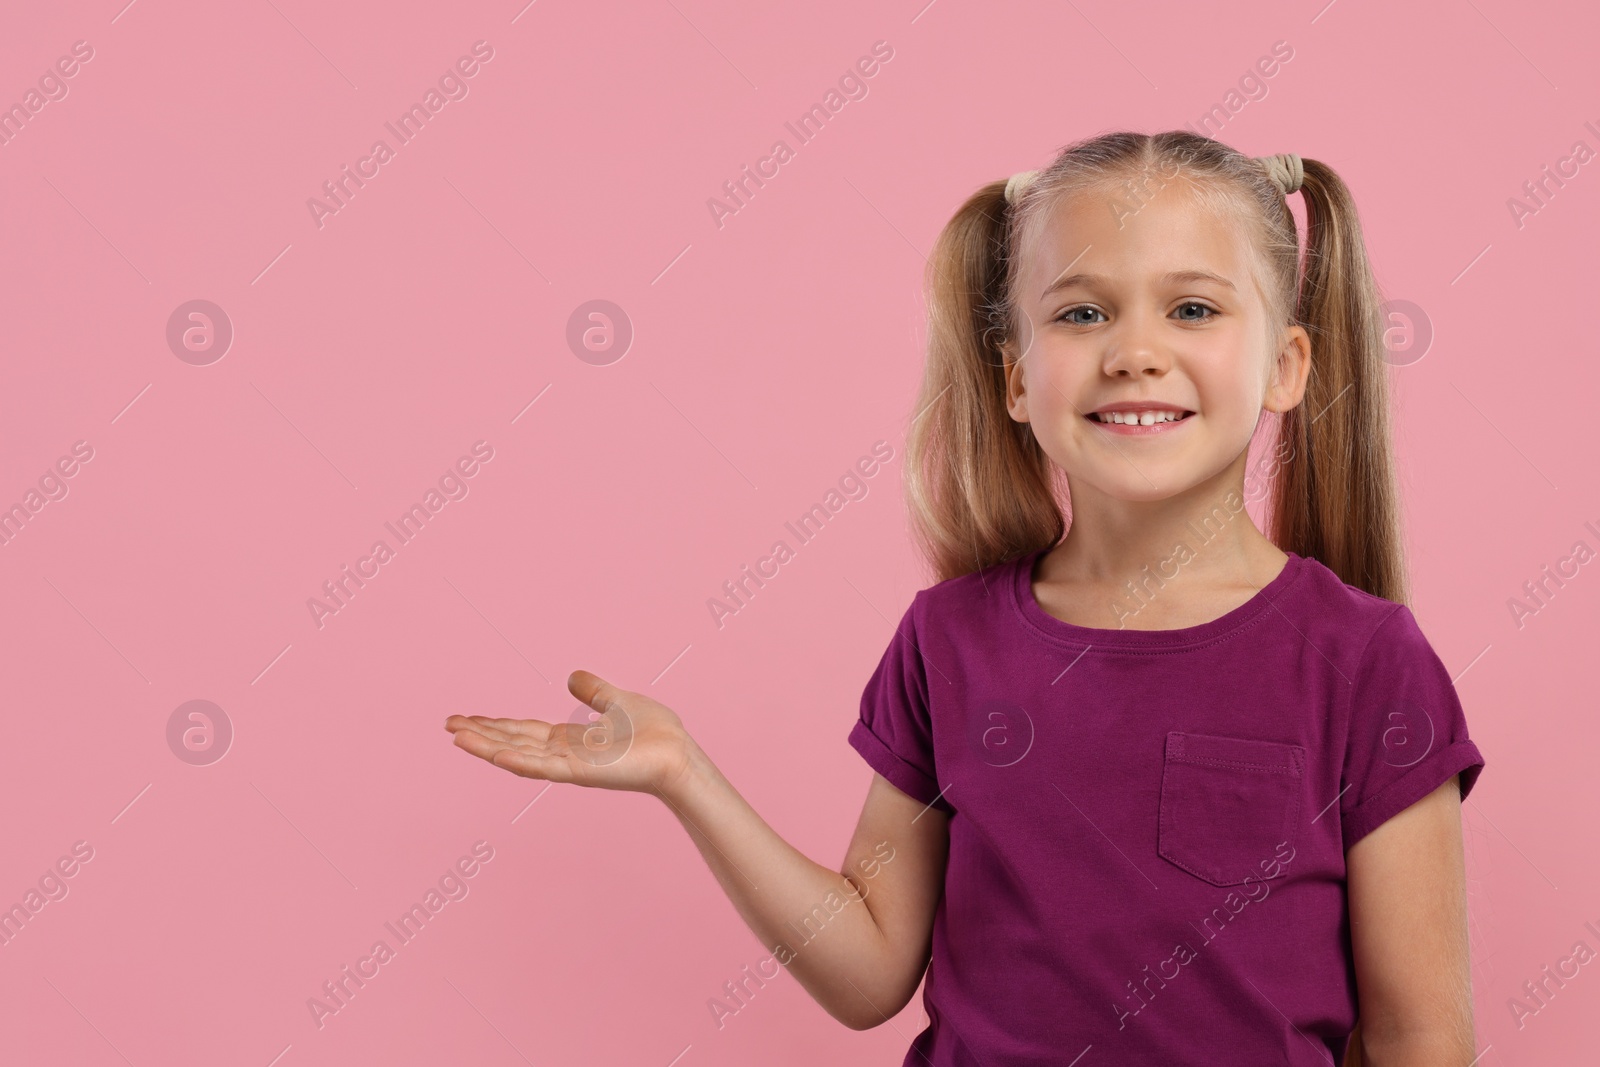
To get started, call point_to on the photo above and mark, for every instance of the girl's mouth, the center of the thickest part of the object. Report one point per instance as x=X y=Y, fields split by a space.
x=1139 y=423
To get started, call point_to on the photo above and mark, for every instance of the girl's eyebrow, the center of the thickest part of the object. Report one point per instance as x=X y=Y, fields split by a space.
x=1170 y=278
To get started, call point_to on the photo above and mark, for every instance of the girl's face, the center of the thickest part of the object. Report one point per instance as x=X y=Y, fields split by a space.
x=1156 y=306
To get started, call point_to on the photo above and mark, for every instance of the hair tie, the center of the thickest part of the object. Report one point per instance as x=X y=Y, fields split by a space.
x=1285 y=170
x=1017 y=185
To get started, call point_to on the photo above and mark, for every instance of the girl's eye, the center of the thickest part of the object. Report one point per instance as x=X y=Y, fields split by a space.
x=1064 y=316
x=1202 y=307
x=1073 y=311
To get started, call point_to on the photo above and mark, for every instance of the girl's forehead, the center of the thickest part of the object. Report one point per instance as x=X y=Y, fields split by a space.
x=1111 y=235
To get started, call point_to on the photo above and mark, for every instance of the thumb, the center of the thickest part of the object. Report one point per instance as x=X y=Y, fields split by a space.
x=593 y=690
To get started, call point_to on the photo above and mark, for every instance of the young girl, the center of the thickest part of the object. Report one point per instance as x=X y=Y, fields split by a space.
x=1152 y=787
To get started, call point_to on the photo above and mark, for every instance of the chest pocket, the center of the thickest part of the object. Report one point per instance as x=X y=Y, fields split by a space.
x=1227 y=803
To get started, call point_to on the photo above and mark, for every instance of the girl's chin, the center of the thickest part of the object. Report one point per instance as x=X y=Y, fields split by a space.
x=1132 y=479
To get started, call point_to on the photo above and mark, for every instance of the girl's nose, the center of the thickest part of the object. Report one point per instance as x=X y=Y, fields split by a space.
x=1135 y=350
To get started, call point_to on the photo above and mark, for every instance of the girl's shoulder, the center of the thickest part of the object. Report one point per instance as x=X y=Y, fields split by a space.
x=990 y=585
x=1338 y=601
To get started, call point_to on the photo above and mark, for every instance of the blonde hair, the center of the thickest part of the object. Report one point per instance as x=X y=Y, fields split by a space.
x=980 y=488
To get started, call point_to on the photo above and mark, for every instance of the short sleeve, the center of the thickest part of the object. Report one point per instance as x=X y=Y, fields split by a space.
x=1408 y=733
x=895 y=731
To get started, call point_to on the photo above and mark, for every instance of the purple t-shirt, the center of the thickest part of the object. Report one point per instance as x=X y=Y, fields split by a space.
x=1148 y=827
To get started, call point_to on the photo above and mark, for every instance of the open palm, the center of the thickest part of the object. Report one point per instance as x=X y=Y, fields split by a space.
x=632 y=742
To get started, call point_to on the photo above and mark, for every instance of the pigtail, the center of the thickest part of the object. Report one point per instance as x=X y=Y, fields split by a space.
x=1336 y=500
x=979 y=486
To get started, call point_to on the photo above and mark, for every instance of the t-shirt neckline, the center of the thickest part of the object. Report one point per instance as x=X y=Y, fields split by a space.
x=1059 y=630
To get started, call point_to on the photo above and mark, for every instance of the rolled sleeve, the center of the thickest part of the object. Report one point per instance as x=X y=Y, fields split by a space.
x=1408 y=732
x=894 y=733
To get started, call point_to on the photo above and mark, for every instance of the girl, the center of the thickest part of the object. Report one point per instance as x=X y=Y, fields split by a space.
x=1151 y=787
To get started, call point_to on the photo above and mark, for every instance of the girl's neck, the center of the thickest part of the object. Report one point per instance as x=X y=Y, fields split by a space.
x=1111 y=540
x=1200 y=580
x=1233 y=553
x=1205 y=544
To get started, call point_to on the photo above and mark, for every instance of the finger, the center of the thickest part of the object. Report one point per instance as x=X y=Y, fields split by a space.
x=536 y=729
x=485 y=748
x=492 y=734
x=471 y=741
x=524 y=761
x=593 y=690
x=504 y=736
x=533 y=765
x=527 y=760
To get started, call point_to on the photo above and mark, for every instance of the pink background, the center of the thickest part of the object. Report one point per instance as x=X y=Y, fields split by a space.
x=768 y=355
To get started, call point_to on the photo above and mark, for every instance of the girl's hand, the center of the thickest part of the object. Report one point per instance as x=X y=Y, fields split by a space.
x=630 y=741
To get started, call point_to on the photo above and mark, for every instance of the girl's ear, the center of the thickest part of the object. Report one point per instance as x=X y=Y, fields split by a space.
x=1287 y=385
x=1016 y=397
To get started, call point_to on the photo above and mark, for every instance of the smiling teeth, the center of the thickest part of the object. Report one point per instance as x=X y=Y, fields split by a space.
x=1143 y=418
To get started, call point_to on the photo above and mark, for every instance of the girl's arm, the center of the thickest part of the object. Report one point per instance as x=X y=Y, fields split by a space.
x=860 y=946
x=858 y=940
x=1408 y=930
